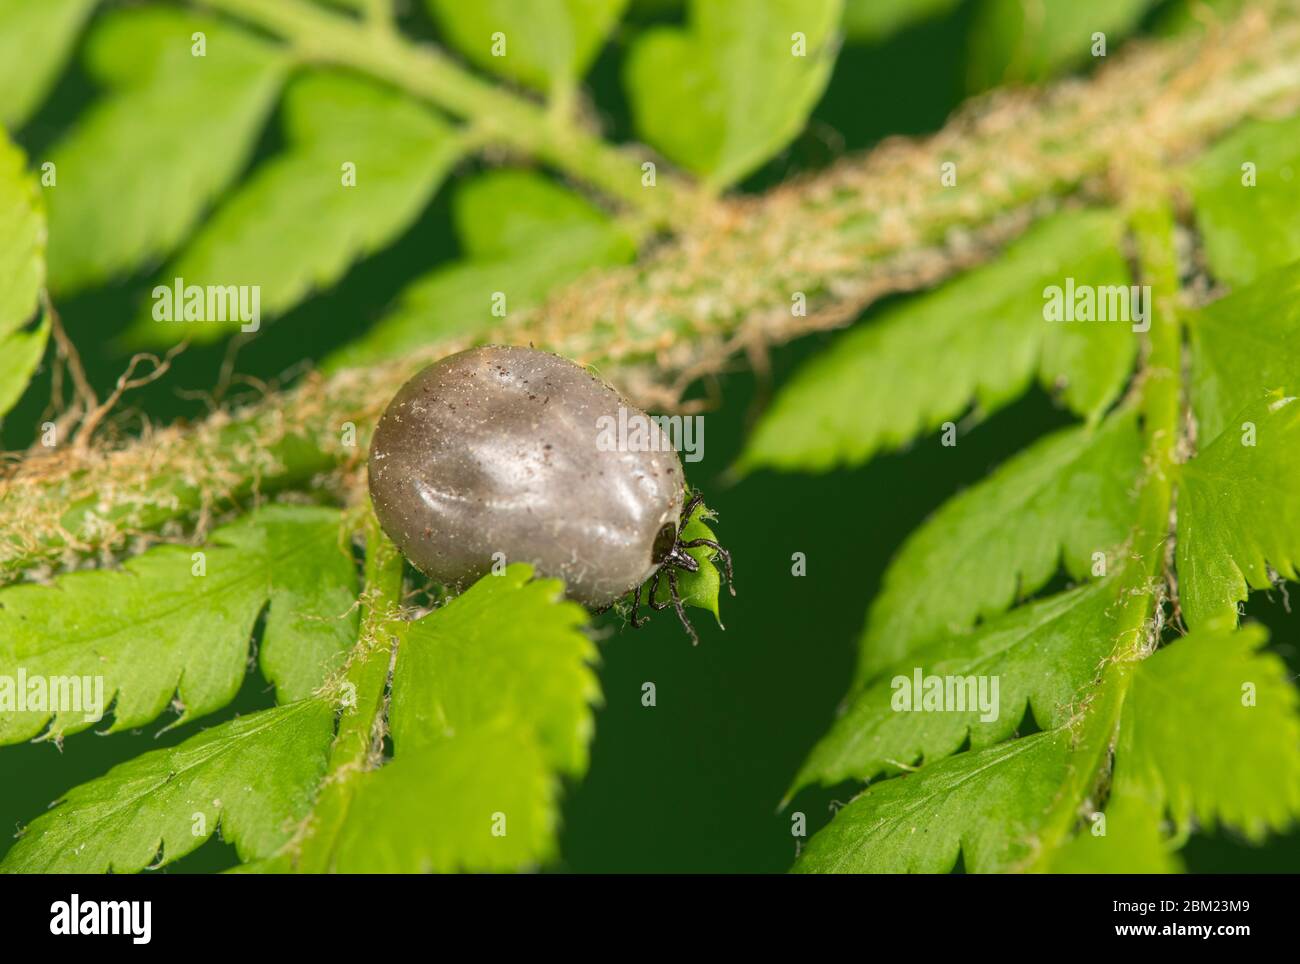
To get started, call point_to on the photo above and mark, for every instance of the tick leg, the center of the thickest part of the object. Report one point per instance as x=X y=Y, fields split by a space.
x=722 y=554
x=681 y=611
x=636 y=605
x=679 y=558
x=691 y=505
x=654 y=590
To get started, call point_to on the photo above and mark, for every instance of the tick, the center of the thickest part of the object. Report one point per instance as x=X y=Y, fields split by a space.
x=492 y=455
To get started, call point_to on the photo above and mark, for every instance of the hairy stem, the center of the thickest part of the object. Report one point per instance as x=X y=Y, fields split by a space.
x=364 y=679
x=363 y=691
x=320 y=35
x=1145 y=579
x=871 y=226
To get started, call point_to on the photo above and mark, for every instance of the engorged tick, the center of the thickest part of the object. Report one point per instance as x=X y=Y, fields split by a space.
x=460 y=477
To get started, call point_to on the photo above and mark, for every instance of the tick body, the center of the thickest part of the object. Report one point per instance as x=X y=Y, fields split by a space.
x=491 y=455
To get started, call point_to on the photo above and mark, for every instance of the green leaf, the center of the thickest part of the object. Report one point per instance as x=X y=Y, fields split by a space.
x=984 y=805
x=872 y=21
x=1243 y=345
x=294 y=227
x=507 y=649
x=447 y=303
x=1210 y=733
x=1041 y=656
x=22 y=244
x=22 y=275
x=510 y=212
x=253 y=777
x=544 y=45
x=1247 y=218
x=982 y=336
x=491 y=701
x=35 y=39
x=312 y=620
x=1131 y=844
x=169 y=132
x=20 y=353
x=435 y=809
x=178 y=621
x=728 y=92
x=1238 y=518
x=1014 y=41
x=525 y=235
x=1058 y=503
x=698 y=589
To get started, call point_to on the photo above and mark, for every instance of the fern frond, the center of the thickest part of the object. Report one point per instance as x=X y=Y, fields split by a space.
x=1043 y=656
x=1211 y=735
x=1066 y=501
x=1238 y=518
x=251 y=778
x=293 y=227
x=168 y=133
x=175 y=623
x=983 y=805
x=981 y=338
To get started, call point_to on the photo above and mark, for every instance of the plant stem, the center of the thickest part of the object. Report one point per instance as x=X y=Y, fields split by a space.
x=323 y=36
x=1144 y=581
x=366 y=674
x=364 y=681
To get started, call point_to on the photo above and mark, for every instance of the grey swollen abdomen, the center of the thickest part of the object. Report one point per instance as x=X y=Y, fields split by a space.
x=494 y=456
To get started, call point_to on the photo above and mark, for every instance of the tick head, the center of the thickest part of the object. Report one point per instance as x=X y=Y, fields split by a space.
x=664 y=544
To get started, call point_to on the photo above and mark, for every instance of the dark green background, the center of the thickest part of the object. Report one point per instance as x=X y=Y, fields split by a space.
x=691 y=784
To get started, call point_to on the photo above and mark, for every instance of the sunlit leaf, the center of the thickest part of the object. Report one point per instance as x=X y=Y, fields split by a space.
x=734 y=87
x=167 y=133
x=250 y=778
x=176 y=622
